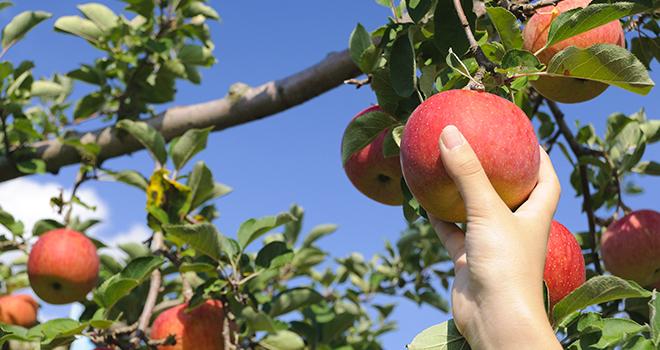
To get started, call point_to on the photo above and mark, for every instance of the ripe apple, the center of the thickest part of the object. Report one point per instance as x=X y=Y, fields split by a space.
x=376 y=176
x=564 y=263
x=535 y=35
x=199 y=329
x=63 y=266
x=631 y=247
x=19 y=310
x=500 y=134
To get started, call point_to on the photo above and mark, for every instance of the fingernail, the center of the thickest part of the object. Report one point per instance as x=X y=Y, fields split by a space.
x=451 y=137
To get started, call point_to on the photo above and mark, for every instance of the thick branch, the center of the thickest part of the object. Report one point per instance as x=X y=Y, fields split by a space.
x=255 y=103
x=579 y=151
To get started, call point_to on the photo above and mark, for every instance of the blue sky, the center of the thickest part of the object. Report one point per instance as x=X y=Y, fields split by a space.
x=292 y=157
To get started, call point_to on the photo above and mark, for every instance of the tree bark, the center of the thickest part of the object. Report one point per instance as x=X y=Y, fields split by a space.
x=253 y=104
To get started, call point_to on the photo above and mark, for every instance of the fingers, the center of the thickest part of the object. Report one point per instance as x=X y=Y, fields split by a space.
x=464 y=168
x=451 y=237
x=542 y=202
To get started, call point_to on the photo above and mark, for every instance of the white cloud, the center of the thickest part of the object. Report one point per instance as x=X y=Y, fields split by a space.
x=137 y=233
x=29 y=201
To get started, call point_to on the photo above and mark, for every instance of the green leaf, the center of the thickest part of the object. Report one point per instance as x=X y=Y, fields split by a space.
x=576 y=21
x=88 y=106
x=196 y=267
x=274 y=255
x=80 y=27
x=448 y=31
x=189 y=144
x=519 y=61
x=31 y=166
x=403 y=67
x=443 y=336
x=131 y=177
x=317 y=233
x=258 y=321
x=202 y=186
x=417 y=9
x=597 y=290
x=358 y=43
x=646 y=49
x=254 y=228
x=102 y=16
x=48 y=331
x=362 y=130
x=605 y=63
x=283 y=340
x=147 y=136
x=42 y=226
x=46 y=88
x=20 y=25
x=507 y=26
x=121 y=284
x=203 y=237
x=199 y=8
x=8 y=221
x=654 y=317
x=196 y=55
x=293 y=299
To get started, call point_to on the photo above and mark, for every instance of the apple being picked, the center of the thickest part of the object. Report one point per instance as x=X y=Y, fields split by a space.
x=631 y=247
x=19 y=310
x=376 y=176
x=500 y=134
x=201 y=328
x=564 y=263
x=63 y=266
x=535 y=36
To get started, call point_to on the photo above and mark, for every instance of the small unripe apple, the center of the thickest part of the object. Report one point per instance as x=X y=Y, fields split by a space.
x=535 y=36
x=376 y=176
x=630 y=247
x=63 y=266
x=500 y=134
x=19 y=310
x=564 y=263
x=198 y=329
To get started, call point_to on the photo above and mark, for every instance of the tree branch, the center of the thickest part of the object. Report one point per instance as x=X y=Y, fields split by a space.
x=254 y=104
x=474 y=46
x=522 y=10
x=579 y=151
x=152 y=296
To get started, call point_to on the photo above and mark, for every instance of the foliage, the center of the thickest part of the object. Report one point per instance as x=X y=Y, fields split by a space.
x=281 y=288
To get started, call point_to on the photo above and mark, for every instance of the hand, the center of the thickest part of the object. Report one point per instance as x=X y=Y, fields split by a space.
x=497 y=296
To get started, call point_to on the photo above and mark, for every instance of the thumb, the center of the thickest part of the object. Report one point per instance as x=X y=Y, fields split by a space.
x=464 y=168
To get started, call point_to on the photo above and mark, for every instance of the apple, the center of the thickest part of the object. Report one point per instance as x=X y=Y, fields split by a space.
x=19 y=310
x=564 y=263
x=630 y=247
x=63 y=266
x=198 y=329
x=500 y=134
x=376 y=176
x=535 y=35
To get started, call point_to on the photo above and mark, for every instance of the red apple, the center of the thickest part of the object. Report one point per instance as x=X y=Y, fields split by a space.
x=63 y=266
x=376 y=176
x=500 y=134
x=535 y=36
x=630 y=247
x=564 y=263
x=19 y=310
x=199 y=329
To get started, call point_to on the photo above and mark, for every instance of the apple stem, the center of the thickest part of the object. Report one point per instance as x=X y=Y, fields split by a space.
x=580 y=151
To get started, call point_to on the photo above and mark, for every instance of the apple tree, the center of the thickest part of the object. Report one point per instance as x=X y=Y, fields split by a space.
x=269 y=285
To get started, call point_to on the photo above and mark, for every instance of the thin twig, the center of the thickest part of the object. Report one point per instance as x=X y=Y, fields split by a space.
x=479 y=55
x=579 y=151
x=522 y=11
x=358 y=82
x=154 y=289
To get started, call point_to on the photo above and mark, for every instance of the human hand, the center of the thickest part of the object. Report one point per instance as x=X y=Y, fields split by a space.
x=497 y=295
